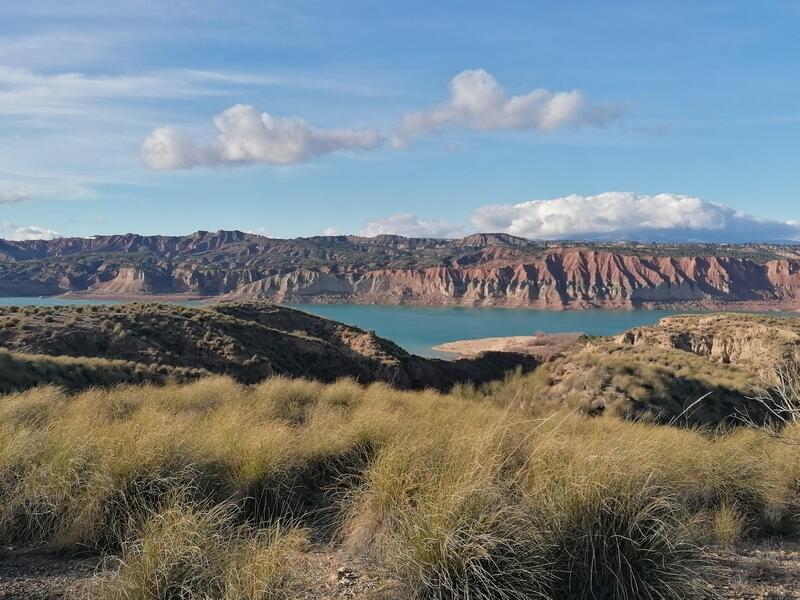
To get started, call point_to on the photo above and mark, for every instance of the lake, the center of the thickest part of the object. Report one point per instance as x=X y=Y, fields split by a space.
x=418 y=329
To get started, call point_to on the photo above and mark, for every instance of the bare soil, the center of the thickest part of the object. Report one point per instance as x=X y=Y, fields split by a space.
x=27 y=575
x=542 y=345
x=764 y=571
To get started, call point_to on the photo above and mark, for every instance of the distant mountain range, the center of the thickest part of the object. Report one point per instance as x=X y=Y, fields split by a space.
x=478 y=270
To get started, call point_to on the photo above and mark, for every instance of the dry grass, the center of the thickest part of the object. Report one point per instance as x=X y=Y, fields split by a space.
x=20 y=371
x=182 y=551
x=650 y=384
x=465 y=495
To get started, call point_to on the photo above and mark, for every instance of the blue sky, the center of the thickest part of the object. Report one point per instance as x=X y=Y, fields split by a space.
x=657 y=119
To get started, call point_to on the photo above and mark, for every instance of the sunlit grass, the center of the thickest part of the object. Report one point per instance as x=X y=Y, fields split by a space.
x=470 y=494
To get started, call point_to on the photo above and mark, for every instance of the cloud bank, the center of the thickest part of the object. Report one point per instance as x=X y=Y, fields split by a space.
x=478 y=101
x=628 y=216
x=17 y=233
x=246 y=136
x=409 y=225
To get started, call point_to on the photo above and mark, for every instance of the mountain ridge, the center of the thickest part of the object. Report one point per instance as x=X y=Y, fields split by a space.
x=487 y=269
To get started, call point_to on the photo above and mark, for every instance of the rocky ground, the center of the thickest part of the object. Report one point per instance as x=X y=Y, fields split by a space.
x=765 y=571
x=28 y=575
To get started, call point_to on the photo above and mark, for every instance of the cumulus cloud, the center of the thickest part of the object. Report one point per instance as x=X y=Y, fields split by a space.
x=13 y=196
x=410 y=225
x=478 y=101
x=246 y=136
x=10 y=231
x=624 y=215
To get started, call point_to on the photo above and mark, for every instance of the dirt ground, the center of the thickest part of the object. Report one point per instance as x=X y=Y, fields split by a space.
x=765 y=571
x=26 y=575
x=542 y=345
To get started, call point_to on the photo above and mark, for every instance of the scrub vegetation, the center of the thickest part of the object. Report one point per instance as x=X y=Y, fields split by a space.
x=217 y=489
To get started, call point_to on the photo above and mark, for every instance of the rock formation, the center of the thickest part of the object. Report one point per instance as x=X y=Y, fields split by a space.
x=480 y=270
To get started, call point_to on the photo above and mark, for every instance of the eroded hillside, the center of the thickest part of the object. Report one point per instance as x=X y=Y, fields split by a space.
x=247 y=341
x=479 y=270
x=756 y=343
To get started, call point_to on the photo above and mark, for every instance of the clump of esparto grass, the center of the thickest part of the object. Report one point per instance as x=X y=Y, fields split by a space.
x=624 y=539
x=475 y=494
x=439 y=510
x=195 y=552
x=477 y=513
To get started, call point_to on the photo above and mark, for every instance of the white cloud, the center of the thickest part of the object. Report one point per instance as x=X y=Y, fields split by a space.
x=409 y=225
x=262 y=231
x=478 y=101
x=247 y=136
x=330 y=231
x=624 y=215
x=13 y=196
x=10 y=231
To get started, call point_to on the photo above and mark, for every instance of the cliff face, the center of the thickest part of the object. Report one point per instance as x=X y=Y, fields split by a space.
x=480 y=270
x=756 y=343
x=578 y=279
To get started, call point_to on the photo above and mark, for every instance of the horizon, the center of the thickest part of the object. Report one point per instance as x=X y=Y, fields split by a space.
x=552 y=241
x=554 y=122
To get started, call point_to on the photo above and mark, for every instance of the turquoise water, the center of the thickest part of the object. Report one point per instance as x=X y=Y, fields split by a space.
x=418 y=329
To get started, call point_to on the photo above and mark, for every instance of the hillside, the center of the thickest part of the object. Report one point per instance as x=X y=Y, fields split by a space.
x=479 y=270
x=756 y=343
x=647 y=373
x=539 y=484
x=699 y=369
x=247 y=341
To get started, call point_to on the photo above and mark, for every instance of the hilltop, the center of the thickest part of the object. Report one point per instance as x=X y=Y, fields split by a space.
x=478 y=270
x=248 y=341
x=647 y=373
x=701 y=369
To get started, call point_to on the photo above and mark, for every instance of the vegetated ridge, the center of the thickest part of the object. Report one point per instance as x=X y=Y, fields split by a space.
x=478 y=270
x=250 y=342
x=647 y=373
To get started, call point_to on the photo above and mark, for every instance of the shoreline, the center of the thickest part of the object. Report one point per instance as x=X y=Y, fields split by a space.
x=760 y=306
x=541 y=345
x=128 y=297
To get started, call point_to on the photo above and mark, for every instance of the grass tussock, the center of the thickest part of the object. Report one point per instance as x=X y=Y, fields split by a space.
x=465 y=495
x=659 y=385
x=186 y=551
x=21 y=371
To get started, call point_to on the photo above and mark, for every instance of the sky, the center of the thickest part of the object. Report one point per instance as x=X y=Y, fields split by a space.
x=608 y=120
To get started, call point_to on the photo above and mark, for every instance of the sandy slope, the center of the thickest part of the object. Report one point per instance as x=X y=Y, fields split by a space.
x=542 y=345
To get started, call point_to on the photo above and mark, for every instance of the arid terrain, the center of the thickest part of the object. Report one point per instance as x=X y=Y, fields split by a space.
x=80 y=346
x=541 y=345
x=588 y=475
x=479 y=270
